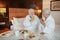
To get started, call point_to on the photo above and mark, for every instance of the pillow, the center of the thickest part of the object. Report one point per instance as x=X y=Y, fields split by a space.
x=17 y=21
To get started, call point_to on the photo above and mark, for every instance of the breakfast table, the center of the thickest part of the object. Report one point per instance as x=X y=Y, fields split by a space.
x=10 y=35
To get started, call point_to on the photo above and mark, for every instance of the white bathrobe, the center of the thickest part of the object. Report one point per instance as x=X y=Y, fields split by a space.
x=50 y=25
x=48 y=29
x=31 y=25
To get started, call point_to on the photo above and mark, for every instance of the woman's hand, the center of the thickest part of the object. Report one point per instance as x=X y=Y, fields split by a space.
x=32 y=18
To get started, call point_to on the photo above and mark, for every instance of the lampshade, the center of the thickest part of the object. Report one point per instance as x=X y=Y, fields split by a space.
x=2 y=10
x=39 y=11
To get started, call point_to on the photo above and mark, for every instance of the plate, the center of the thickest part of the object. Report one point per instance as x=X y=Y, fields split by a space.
x=6 y=34
x=33 y=37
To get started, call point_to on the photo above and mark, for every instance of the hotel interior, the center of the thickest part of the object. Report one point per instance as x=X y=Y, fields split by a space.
x=13 y=14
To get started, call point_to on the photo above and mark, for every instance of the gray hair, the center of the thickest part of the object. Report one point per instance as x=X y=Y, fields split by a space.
x=31 y=11
x=47 y=11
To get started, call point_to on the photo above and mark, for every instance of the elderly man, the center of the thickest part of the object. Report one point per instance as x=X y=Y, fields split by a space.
x=47 y=21
x=31 y=22
x=47 y=25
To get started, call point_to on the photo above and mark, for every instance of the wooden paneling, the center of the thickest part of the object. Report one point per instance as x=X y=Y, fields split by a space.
x=17 y=12
x=4 y=30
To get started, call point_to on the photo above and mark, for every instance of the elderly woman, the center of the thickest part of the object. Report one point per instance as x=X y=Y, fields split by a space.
x=31 y=22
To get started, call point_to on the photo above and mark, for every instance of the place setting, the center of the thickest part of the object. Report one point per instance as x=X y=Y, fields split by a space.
x=6 y=34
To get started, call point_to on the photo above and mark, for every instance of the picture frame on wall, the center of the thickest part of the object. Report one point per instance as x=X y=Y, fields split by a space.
x=55 y=5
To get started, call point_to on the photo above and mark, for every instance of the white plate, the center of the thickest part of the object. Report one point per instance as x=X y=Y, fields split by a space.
x=34 y=38
x=6 y=34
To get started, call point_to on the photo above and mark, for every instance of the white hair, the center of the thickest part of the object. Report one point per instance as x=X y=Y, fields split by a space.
x=47 y=11
x=31 y=11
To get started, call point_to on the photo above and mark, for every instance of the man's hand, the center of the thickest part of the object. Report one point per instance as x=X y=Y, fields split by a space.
x=42 y=22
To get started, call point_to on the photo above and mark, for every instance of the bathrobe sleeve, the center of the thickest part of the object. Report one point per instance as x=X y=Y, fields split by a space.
x=50 y=26
x=26 y=22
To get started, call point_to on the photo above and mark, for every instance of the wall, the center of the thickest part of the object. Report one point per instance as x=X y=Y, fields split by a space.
x=55 y=14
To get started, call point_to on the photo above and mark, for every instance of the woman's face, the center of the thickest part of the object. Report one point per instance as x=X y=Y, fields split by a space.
x=31 y=13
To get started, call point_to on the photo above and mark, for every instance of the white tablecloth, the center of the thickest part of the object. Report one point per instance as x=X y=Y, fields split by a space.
x=11 y=36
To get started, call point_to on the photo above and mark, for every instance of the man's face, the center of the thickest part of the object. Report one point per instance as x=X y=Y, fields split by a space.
x=44 y=14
